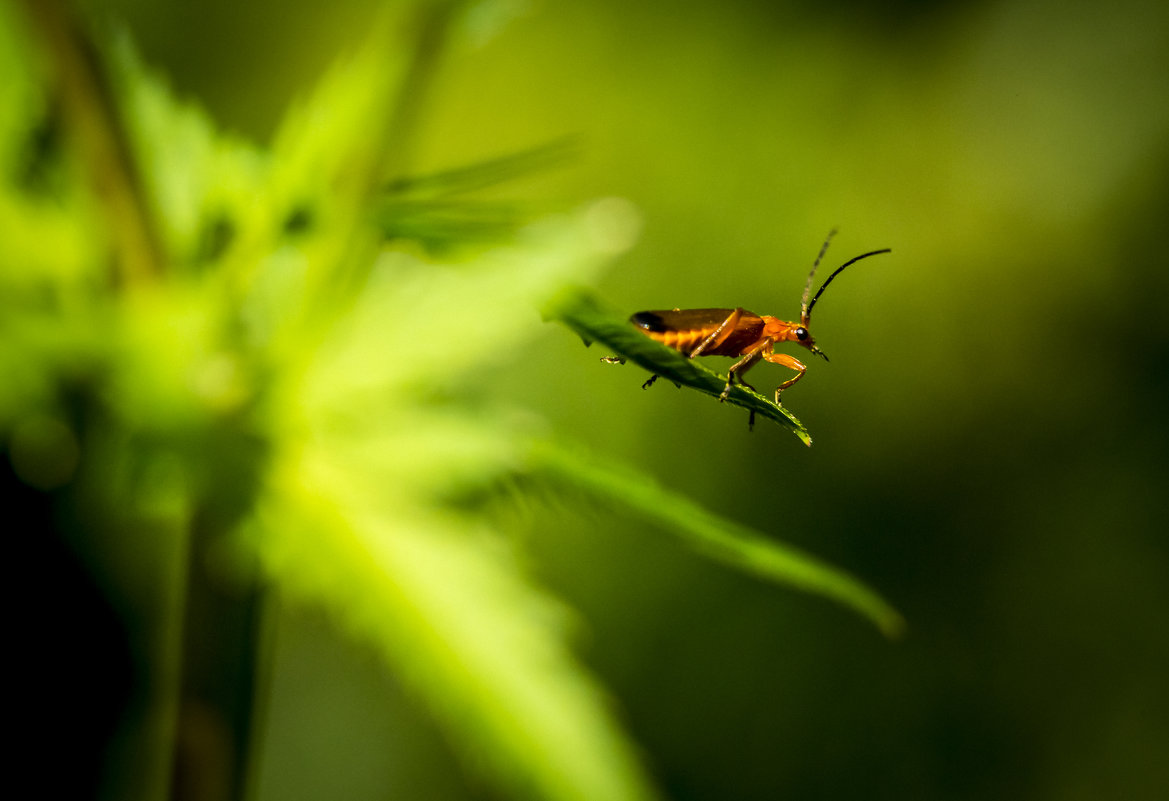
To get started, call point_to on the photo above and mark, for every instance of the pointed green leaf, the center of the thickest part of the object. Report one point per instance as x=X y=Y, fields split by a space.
x=720 y=539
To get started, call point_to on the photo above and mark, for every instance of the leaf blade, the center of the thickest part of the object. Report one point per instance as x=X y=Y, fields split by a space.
x=722 y=540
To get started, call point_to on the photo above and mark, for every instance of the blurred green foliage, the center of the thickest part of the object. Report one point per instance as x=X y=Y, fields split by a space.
x=990 y=436
x=231 y=398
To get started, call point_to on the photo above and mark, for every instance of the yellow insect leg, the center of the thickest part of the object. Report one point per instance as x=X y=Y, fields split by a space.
x=790 y=362
x=743 y=365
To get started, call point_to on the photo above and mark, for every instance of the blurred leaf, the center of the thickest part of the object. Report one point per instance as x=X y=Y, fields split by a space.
x=482 y=174
x=286 y=370
x=51 y=255
x=433 y=210
x=713 y=536
x=407 y=330
x=356 y=516
x=446 y=605
x=202 y=184
x=444 y=227
x=585 y=315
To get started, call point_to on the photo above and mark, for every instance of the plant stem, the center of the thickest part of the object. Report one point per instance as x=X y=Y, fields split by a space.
x=94 y=129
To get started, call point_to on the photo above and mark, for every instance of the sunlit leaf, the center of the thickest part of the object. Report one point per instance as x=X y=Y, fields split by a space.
x=356 y=517
x=446 y=605
x=282 y=373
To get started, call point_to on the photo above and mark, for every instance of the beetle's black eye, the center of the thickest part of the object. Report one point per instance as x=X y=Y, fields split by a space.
x=802 y=334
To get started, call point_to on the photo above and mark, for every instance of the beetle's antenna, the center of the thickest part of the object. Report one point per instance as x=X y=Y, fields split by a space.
x=808 y=286
x=806 y=312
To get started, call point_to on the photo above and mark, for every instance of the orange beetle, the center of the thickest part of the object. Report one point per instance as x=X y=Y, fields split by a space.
x=740 y=333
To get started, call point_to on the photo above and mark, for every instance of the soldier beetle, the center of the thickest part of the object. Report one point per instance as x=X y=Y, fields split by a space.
x=741 y=334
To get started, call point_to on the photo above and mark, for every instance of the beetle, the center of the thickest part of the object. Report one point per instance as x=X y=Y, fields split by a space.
x=741 y=334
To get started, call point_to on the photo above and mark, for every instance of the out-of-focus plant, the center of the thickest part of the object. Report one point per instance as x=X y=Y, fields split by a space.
x=230 y=369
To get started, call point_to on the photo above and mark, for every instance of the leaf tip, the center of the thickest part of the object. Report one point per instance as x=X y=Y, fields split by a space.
x=893 y=626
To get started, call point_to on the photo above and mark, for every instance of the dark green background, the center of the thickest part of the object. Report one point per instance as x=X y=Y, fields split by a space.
x=990 y=436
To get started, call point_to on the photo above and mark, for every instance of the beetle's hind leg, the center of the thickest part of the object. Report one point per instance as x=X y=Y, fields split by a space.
x=732 y=379
x=742 y=366
x=743 y=383
x=650 y=381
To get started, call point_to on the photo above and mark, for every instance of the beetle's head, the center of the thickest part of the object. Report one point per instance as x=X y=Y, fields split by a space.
x=799 y=333
x=803 y=336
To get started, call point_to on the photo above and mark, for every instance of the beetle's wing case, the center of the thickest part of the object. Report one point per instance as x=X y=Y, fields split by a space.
x=662 y=320
x=684 y=329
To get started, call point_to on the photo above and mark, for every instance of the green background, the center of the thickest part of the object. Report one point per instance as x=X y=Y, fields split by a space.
x=990 y=436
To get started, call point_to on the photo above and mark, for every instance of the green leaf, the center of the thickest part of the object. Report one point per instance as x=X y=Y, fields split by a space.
x=482 y=174
x=585 y=315
x=200 y=184
x=360 y=516
x=713 y=536
x=406 y=307
x=434 y=209
x=284 y=368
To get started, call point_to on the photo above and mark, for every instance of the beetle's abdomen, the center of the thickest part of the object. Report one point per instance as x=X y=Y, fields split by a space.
x=682 y=341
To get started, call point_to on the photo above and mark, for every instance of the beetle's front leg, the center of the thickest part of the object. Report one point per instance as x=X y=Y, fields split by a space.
x=790 y=362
